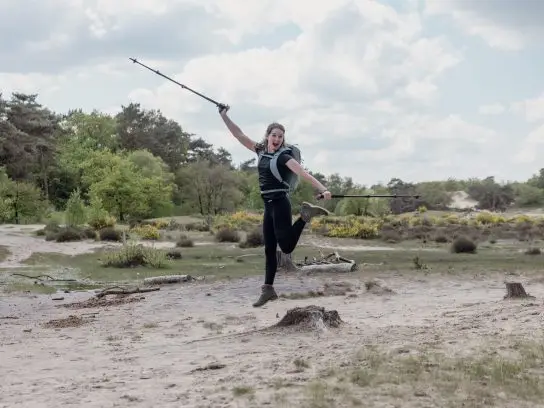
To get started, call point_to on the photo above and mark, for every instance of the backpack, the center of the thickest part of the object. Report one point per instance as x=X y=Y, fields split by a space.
x=291 y=180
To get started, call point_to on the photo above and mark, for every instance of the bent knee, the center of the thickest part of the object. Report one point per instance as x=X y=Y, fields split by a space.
x=286 y=246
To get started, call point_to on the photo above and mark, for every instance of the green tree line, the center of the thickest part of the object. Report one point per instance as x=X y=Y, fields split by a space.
x=139 y=164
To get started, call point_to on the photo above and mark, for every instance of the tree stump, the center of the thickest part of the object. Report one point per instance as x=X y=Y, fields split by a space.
x=515 y=290
x=285 y=261
x=310 y=317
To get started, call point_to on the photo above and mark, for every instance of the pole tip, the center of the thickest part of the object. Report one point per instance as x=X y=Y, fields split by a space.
x=132 y=59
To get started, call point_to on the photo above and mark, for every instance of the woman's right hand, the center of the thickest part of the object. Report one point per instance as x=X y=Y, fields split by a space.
x=223 y=109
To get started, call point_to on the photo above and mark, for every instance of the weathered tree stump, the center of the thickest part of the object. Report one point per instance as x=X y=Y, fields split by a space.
x=330 y=268
x=285 y=261
x=515 y=290
x=166 y=279
x=310 y=317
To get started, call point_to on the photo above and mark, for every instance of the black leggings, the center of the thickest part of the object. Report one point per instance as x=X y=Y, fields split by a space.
x=278 y=230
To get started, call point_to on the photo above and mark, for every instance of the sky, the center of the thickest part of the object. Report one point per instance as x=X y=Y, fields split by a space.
x=371 y=89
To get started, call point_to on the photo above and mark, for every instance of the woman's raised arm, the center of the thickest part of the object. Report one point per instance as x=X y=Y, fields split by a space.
x=235 y=130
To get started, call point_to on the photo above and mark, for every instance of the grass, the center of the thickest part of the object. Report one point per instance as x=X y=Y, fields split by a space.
x=379 y=377
x=4 y=253
x=225 y=260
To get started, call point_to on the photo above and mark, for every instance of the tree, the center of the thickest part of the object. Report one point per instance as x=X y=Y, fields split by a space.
x=434 y=195
x=27 y=139
x=400 y=205
x=19 y=200
x=528 y=195
x=491 y=195
x=125 y=188
x=149 y=129
x=210 y=189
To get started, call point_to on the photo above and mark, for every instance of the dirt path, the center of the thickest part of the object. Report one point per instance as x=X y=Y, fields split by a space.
x=143 y=354
x=21 y=242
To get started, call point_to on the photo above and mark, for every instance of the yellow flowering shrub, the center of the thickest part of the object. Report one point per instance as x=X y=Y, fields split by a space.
x=240 y=220
x=146 y=232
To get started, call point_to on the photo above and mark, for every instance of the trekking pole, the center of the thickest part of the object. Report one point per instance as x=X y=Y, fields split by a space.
x=218 y=104
x=320 y=196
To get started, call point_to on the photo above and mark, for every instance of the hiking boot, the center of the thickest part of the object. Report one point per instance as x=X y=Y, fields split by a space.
x=267 y=293
x=308 y=211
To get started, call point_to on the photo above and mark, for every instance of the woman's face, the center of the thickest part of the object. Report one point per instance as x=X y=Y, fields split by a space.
x=275 y=139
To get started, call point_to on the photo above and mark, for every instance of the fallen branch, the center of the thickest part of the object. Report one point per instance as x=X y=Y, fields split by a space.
x=159 y=280
x=328 y=263
x=211 y=366
x=329 y=267
x=39 y=277
x=117 y=290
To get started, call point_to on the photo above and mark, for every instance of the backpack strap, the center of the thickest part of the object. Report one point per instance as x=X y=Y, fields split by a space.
x=274 y=164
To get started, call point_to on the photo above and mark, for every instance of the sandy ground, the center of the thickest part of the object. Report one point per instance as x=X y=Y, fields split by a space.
x=22 y=242
x=144 y=353
x=151 y=352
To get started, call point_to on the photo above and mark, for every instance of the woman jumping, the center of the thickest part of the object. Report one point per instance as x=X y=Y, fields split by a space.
x=277 y=227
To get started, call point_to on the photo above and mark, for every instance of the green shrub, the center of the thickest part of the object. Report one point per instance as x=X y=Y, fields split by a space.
x=390 y=235
x=69 y=234
x=463 y=245
x=52 y=227
x=132 y=255
x=174 y=254
x=185 y=242
x=254 y=239
x=226 y=234
x=89 y=233
x=533 y=251
x=197 y=226
x=110 y=234
x=76 y=212
x=98 y=217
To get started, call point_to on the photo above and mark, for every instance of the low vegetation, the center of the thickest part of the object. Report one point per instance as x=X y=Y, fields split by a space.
x=475 y=380
x=131 y=255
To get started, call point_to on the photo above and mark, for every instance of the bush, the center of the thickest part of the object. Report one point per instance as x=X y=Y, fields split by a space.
x=174 y=254
x=51 y=229
x=226 y=234
x=76 y=212
x=148 y=232
x=463 y=245
x=69 y=234
x=254 y=239
x=197 y=226
x=98 y=217
x=391 y=235
x=110 y=234
x=441 y=238
x=160 y=224
x=132 y=255
x=89 y=233
x=355 y=228
x=185 y=242
x=99 y=222
x=173 y=225
x=240 y=221
x=533 y=251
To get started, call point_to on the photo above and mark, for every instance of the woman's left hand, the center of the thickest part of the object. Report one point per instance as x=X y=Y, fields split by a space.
x=325 y=194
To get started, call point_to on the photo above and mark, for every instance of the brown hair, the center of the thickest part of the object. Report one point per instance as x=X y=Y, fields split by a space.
x=262 y=145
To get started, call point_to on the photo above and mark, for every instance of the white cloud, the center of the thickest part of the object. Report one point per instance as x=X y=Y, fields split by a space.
x=492 y=109
x=532 y=109
x=502 y=24
x=359 y=89
x=530 y=149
